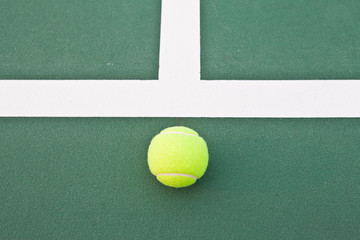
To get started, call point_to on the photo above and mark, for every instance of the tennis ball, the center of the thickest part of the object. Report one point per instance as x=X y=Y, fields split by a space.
x=178 y=156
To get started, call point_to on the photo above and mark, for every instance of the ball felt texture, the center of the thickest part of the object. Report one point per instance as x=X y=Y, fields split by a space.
x=178 y=156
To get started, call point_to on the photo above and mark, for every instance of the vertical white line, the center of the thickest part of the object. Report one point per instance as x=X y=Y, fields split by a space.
x=180 y=42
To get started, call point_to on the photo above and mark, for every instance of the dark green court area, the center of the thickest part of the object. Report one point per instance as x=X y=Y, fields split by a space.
x=87 y=178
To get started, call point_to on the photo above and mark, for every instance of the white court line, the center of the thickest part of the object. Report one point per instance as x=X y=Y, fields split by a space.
x=179 y=91
x=180 y=41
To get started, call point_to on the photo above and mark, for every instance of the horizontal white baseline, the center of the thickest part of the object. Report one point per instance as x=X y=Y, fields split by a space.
x=133 y=98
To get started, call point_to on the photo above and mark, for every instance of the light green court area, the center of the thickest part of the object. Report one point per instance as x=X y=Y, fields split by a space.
x=111 y=39
x=79 y=39
x=280 y=39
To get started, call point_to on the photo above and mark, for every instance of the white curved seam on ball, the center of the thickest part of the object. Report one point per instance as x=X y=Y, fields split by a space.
x=177 y=174
x=180 y=133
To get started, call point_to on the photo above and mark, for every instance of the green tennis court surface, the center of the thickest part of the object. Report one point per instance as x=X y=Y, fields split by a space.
x=87 y=178
x=280 y=39
x=112 y=39
x=76 y=178
x=79 y=39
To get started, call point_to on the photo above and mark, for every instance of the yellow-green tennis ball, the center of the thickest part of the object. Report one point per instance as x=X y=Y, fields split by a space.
x=178 y=156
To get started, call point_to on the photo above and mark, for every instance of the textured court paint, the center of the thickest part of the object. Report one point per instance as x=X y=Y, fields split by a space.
x=68 y=39
x=280 y=39
x=87 y=178
x=120 y=39
x=241 y=98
